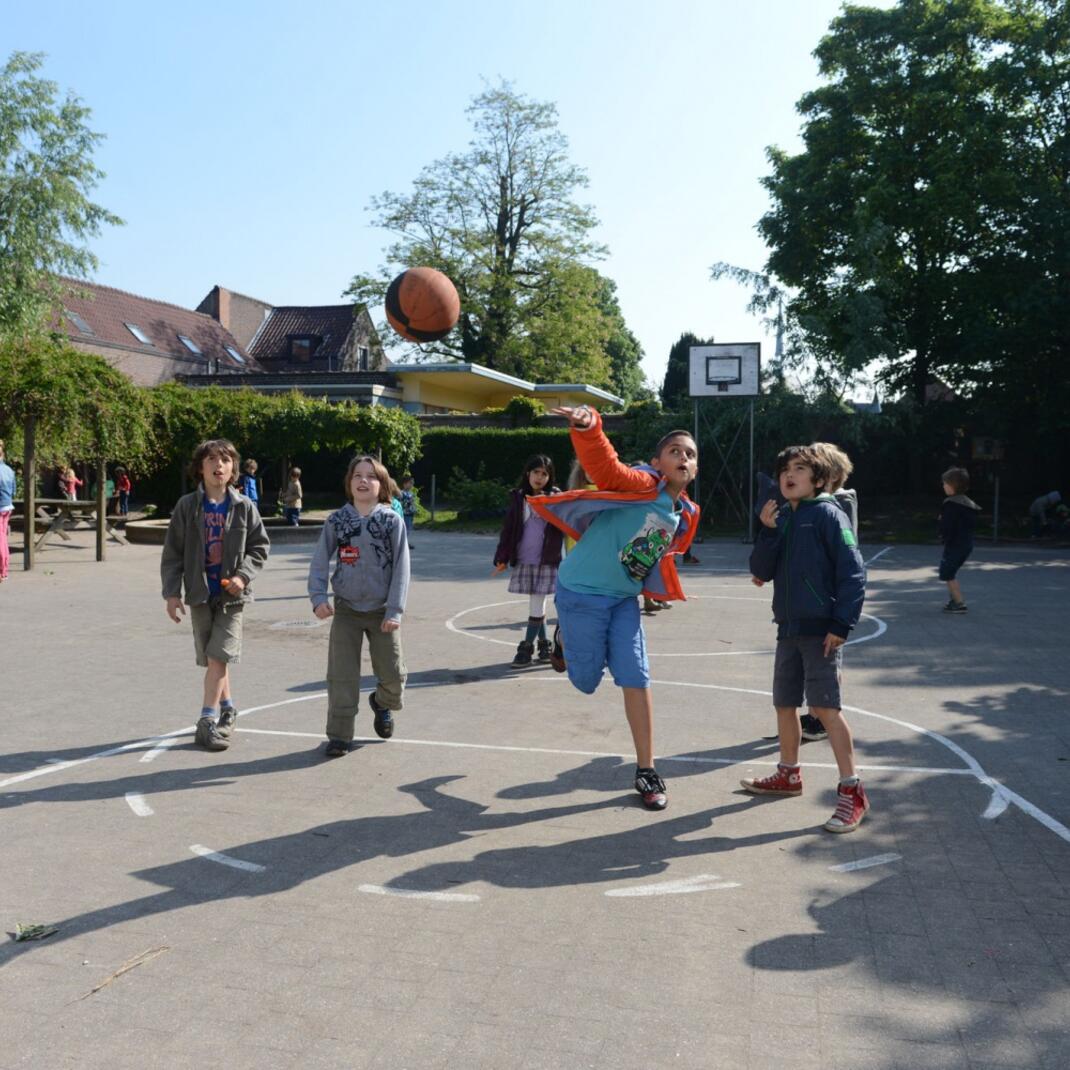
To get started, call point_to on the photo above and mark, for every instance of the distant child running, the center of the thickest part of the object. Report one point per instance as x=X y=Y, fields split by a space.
x=247 y=484
x=215 y=545
x=958 y=517
x=811 y=554
x=364 y=550
x=7 y=507
x=532 y=548
x=292 y=499
x=628 y=532
x=123 y=487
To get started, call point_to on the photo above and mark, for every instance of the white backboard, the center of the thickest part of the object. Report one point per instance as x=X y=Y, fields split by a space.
x=726 y=371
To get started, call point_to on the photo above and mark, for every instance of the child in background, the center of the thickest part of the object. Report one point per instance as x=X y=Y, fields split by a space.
x=364 y=548
x=839 y=468
x=628 y=533
x=532 y=548
x=70 y=483
x=7 y=507
x=248 y=485
x=291 y=499
x=408 y=504
x=215 y=545
x=395 y=500
x=958 y=517
x=123 y=487
x=810 y=552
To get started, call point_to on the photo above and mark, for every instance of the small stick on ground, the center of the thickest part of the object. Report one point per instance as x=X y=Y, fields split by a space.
x=137 y=960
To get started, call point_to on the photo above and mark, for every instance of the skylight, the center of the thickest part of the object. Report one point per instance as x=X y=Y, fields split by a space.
x=189 y=344
x=235 y=354
x=138 y=333
x=78 y=322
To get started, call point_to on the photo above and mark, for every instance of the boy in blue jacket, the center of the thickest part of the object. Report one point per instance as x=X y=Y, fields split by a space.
x=811 y=554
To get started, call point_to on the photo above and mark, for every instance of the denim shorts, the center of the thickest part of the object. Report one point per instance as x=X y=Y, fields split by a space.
x=600 y=631
x=802 y=670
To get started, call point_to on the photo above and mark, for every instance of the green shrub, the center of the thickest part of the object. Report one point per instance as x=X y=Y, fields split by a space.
x=524 y=411
x=477 y=497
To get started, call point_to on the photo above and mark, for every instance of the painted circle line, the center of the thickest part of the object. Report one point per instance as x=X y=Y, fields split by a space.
x=704 y=882
x=405 y=893
x=225 y=860
x=882 y=627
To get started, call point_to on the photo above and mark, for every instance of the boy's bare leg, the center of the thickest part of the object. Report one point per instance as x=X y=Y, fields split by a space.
x=215 y=678
x=954 y=590
x=224 y=691
x=790 y=732
x=839 y=739
x=639 y=709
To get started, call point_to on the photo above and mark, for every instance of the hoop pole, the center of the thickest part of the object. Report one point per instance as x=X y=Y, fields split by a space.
x=750 y=482
x=698 y=496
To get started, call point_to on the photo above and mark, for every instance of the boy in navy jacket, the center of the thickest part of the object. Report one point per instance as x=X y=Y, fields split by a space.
x=811 y=554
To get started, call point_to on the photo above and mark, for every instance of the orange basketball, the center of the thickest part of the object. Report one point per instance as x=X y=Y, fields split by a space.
x=422 y=305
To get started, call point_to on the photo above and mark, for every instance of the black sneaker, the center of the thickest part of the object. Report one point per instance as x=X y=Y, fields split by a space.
x=651 y=788
x=524 y=651
x=336 y=748
x=208 y=735
x=955 y=607
x=557 y=653
x=544 y=651
x=384 y=720
x=227 y=719
x=812 y=728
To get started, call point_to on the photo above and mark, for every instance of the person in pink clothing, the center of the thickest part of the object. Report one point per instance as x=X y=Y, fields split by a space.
x=70 y=483
x=7 y=497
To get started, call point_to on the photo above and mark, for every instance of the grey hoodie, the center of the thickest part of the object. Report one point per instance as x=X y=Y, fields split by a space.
x=370 y=560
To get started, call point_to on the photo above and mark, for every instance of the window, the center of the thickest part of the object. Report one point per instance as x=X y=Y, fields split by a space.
x=235 y=354
x=302 y=346
x=138 y=333
x=78 y=322
x=190 y=345
x=362 y=358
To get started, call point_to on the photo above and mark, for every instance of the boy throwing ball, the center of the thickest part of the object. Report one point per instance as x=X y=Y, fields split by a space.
x=811 y=554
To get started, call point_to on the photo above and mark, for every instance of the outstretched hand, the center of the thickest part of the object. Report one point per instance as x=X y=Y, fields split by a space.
x=579 y=417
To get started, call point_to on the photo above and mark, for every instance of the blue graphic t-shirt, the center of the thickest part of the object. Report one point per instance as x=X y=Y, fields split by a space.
x=621 y=548
x=215 y=519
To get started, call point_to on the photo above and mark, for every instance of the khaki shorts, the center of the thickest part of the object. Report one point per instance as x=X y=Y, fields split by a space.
x=217 y=631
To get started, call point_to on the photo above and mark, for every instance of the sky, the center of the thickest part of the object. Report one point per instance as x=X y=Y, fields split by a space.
x=246 y=140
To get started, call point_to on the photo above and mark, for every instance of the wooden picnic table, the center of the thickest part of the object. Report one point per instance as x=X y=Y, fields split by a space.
x=64 y=513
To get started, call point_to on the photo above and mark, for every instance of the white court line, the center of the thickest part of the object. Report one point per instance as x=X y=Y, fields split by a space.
x=881 y=629
x=225 y=860
x=404 y=893
x=136 y=801
x=865 y=863
x=692 y=760
x=705 y=882
x=160 y=747
x=881 y=553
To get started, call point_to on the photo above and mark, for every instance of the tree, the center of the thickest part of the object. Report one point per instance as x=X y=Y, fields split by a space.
x=46 y=175
x=622 y=347
x=879 y=225
x=502 y=221
x=675 y=390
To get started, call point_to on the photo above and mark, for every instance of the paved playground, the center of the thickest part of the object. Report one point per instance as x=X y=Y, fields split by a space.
x=484 y=890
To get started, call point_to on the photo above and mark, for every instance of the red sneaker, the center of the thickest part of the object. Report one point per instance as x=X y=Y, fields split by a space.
x=787 y=780
x=851 y=807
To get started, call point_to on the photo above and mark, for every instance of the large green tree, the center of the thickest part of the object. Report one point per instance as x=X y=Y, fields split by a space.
x=880 y=224
x=503 y=221
x=675 y=389
x=46 y=176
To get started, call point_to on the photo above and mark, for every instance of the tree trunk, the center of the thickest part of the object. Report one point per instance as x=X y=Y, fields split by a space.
x=29 y=490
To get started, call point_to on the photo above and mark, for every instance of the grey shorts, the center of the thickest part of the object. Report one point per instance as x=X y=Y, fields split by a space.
x=217 y=631
x=802 y=670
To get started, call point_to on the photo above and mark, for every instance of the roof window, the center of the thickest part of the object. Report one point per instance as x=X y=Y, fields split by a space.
x=138 y=333
x=78 y=322
x=235 y=354
x=190 y=345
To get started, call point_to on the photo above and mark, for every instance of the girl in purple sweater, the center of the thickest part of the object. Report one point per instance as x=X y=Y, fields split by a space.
x=533 y=549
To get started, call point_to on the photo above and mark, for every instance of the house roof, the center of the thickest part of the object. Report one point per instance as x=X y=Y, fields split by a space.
x=98 y=315
x=331 y=323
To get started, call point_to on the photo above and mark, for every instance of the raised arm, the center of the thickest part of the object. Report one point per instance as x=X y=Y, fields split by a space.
x=597 y=455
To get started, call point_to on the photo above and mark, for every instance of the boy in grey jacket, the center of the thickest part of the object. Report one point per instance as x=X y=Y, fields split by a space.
x=364 y=551
x=215 y=545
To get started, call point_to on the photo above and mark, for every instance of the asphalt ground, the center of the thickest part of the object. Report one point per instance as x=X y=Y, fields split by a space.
x=484 y=889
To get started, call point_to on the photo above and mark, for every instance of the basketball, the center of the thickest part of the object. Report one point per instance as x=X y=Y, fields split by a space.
x=422 y=305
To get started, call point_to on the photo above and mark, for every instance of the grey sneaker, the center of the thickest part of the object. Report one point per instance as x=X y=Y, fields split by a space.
x=955 y=607
x=227 y=719
x=208 y=736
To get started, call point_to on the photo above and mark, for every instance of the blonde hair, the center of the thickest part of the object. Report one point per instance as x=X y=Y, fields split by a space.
x=385 y=482
x=577 y=477
x=839 y=464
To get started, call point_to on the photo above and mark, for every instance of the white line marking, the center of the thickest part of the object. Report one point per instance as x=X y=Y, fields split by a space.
x=996 y=805
x=881 y=553
x=225 y=860
x=160 y=747
x=747 y=760
x=404 y=893
x=136 y=801
x=866 y=863
x=705 y=882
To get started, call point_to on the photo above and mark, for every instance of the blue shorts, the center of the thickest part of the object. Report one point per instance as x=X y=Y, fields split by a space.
x=952 y=561
x=598 y=631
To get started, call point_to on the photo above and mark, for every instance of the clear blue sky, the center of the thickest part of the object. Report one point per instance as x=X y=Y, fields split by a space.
x=244 y=140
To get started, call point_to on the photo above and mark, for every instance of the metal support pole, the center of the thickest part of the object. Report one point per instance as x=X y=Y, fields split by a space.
x=697 y=498
x=29 y=491
x=102 y=505
x=750 y=483
x=433 y=490
x=995 y=515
